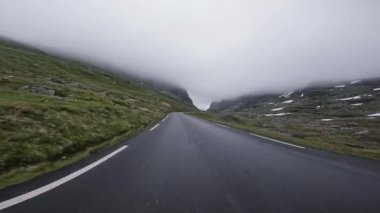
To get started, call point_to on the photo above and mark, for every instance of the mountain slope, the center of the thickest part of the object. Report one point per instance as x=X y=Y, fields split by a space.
x=167 y=89
x=342 y=117
x=52 y=109
x=172 y=91
x=363 y=93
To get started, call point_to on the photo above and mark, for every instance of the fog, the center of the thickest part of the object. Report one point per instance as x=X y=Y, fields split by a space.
x=215 y=49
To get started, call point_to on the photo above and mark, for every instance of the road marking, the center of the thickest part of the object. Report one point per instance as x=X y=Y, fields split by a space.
x=223 y=125
x=50 y=186
x=154 y=127
x=277 y=141
x=274 y=140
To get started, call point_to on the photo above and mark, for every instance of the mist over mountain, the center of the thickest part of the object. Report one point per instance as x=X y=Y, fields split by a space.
x=166 y=88
x=214 y=49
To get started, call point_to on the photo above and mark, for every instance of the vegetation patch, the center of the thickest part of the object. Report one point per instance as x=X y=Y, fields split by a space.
x=54 y=112
x=301 y=133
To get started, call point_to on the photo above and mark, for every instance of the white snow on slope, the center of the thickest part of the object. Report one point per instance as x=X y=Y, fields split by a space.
x=376 y=89
x=277 y=109
x=357 y=104
x=285 y=95
x=279 y=114
x=326 y=119
x=351 y=98
x=287 y=102
x=340 y=86
x=355 y=82
x=302 y=95
x=374 y=115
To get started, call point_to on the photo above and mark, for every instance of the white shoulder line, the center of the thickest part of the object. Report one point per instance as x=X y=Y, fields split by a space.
x=50 y=186
x=277 y=141
x=223 y=125
x=154 y=127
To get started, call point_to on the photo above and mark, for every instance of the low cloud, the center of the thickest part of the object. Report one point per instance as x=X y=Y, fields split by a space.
x=214 y=49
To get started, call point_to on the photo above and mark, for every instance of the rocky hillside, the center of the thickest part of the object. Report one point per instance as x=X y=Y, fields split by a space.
x=343 y=116
x=52 y=109
x=355 y=98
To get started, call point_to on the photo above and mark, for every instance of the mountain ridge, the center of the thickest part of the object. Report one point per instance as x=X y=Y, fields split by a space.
x=314 y=92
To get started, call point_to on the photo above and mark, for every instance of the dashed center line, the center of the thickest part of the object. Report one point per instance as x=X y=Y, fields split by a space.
x=50 y=186
x=158 y=124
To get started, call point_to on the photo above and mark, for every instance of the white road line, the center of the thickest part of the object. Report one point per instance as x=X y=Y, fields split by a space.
x=154 y=127
x=277 y=141
x=274 y=140
x=50 y=186
x=223 y=125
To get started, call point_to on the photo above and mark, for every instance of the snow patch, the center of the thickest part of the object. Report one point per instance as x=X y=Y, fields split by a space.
x=327 y=119
x=318 y=107
x=355 y=82
x=277 y=109
x=287 y=102
x=285 y=95
x=302 y=95
x=357 y=104
x=351 y=98
x=340 y=86
x=376 y=89
x=374 y=115
x=279 y=114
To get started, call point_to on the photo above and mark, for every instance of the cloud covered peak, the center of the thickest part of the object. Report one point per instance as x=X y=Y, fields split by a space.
x=214 y=49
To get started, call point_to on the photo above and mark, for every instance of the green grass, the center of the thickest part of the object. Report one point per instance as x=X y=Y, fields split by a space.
x=22 y=174
x=54 y=112
x=331 y=142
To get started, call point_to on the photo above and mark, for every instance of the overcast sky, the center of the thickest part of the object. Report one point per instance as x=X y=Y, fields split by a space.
x=215 y=49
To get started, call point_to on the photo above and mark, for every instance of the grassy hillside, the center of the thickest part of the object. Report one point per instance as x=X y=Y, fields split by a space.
x=52 y=109
x=339 y=117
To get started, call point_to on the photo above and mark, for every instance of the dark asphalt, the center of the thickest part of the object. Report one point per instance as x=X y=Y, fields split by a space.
x=189 y=165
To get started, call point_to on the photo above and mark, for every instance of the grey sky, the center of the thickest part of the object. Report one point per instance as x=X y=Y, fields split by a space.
x=215 y=49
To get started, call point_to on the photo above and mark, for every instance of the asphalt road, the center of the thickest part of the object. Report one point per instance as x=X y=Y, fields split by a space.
x=188 y=165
